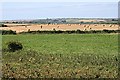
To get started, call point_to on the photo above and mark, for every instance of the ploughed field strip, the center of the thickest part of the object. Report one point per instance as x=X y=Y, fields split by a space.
x=63 y=27
x=61 y=56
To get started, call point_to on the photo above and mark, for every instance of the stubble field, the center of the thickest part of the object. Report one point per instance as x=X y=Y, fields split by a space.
x=63 y=27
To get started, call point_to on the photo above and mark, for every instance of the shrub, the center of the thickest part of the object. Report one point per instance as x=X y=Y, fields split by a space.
x=78 y=31
x=3 y=25
x=14 y=46
x=4 y=32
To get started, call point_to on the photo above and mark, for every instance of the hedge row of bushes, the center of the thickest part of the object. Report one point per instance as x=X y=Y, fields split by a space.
x=4 y=32
x=2 y=25
x=72 y=31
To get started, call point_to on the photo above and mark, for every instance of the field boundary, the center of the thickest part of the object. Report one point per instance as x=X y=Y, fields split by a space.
x=4 y=32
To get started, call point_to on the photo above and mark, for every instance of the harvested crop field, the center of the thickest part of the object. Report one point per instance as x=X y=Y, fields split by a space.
x=35 y=27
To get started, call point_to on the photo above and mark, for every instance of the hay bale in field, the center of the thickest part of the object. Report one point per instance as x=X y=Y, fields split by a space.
x=103 y=25
x=95 y=25
x=110 y=25
x=28 y=30
x=25 y=26
x=54 y=29
x=84 y=29
x=41 y=27
x=69 y=24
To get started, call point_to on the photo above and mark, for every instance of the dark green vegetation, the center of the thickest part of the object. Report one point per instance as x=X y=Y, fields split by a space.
x=62 y=55
x=2 y=25
x=71 y=32
x=14 y=46
x=5 y=32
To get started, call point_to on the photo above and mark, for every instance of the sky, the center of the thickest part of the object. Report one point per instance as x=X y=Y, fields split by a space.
x=42 y=10
x=59 y=0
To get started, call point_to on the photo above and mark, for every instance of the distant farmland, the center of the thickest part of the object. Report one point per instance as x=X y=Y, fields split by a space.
x=63 y=27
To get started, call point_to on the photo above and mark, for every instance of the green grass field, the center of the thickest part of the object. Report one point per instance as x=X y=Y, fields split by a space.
x=62 y=56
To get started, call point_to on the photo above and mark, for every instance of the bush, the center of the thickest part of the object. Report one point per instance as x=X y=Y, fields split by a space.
x=4 y=32
x=14 y=46
x=3 y=25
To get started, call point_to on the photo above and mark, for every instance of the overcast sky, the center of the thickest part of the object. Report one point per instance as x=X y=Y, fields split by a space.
x=60 y=9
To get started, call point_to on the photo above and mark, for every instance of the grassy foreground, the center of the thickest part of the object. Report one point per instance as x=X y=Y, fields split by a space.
x=62 y=56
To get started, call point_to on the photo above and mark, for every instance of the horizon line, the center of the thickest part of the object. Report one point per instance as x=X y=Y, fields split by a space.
x=64 y=18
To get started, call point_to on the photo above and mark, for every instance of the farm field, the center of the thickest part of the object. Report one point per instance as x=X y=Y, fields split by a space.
x=61 y=56
x=63 y=27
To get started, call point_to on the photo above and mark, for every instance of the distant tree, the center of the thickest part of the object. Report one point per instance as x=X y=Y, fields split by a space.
x=81 y=22
x=49 y=23
x=64 y=21
x=3 y=25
